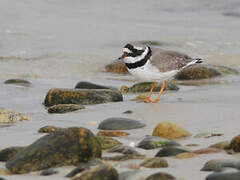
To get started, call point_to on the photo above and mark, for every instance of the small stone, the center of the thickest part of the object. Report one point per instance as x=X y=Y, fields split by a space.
x=105 y=172
x=224 y=145
x=128 y=112
x=112 y=133
x=224 y=176
x=18 y=82
x=235 y=143
x=156 y=162
x=207 y=151
x=169 y=130
x=117 y=123
x=48 y=129
x=64 y=108
x=107 y=142
x=89 y=85
x=152 y=142
x=48 y=172
x=6 y=154
x=123 y=149
x=219 y=164
x=161 y=176
x=170 y=151
x=9 y=116
x=117 y=67
x=186 y=155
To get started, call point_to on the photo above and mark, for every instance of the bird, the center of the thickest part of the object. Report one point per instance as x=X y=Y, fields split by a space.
x=154 y=65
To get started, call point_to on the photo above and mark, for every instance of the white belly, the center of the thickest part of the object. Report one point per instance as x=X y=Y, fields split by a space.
x=150 y=73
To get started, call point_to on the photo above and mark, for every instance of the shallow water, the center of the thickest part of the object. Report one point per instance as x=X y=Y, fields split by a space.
x=56 y=43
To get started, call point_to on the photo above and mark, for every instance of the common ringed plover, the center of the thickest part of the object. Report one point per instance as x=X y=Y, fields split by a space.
x=154 y=65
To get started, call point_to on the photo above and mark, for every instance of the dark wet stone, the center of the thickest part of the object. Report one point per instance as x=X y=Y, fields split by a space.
x=64 y=108
x=146 y=87
x=48 y=172
x=100 y=172
x=117 y=123
x=107 y=142
x=67 y=146
x=18 y=82
x=116 y=67
x=124 y=157
x=219 y=164
x=2 y=178
x=204 y=71
x=152 y=142
x=48 y=129
x=112 y=133
x=123 y=149
x=161 y=176
x=89 y=85
x=156 y=162
x=83 y=97
x=235 y=143
x=232 y=14
x=6 y=154
x=128 y=112
x=170 y=151
x=224 y=176
x=83 y=166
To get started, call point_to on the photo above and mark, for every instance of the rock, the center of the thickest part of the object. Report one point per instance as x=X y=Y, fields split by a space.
x=48 y=172
x=224 y=176
x=235 y=143
x=67 y=146
x=207 y=151
x=83 y=166
x=124 y=157
x=83 y=97
x=9 y=116
x=204 y=71
x=2 y=178
x=224 y=145
x=152 y=142
x=18 y=82
x=123 y=149
x=112 y=133
x=107 y=142
x=5 y=172
x=169 y=130
x=170 y=151
x=219 y=164
x=116 y=67
x=156 y=162
x=48 y=129
x=117 y=123
x=186 y=155
x=7 y=153
x=105 y=172
x=146 y=87
x=128 y=112
x=89 y=85
x=64 y=108
x=161 y=176
x=128 y=175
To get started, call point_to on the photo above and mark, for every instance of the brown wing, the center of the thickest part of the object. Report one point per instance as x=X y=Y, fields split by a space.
x=166 y=60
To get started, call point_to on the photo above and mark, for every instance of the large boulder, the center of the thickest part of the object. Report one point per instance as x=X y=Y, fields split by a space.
x=169 y=130
x=83 y=97
x=63 y=147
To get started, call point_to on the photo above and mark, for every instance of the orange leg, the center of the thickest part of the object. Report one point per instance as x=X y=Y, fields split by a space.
x=147 y=99
x=160 y=93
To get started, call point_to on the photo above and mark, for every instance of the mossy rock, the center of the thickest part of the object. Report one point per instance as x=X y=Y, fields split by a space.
x=219 y=164
x=64 y=108
x=225 y=145
x=224 y=176
x=204 y=71
x=112 y=133
x=170 y=151
x=18 y=82
x=83 y=97
x=117 y=67
x=102 y=172
x=107 y=142
x=48 y=129
x=161 y=176
x=124 y=157
x=7 y=153
x=146 y=87
x=235 y=143
x=170 y=130
x=89 y=85
x=156 y=162
x=67 y=146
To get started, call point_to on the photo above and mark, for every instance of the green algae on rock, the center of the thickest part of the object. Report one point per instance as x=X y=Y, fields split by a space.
x=9 y=116
x=103 y=172
x=107 y=142
x=235 y=143
x=83 y=97
x=156 y=162
x=64 y=108
x=7 y=153
x=112 y=133
x=67 y=146
x=48 y=129
x=204 y=71
x=161 y=176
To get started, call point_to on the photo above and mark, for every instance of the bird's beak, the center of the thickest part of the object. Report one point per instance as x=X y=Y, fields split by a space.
x=123 y=56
